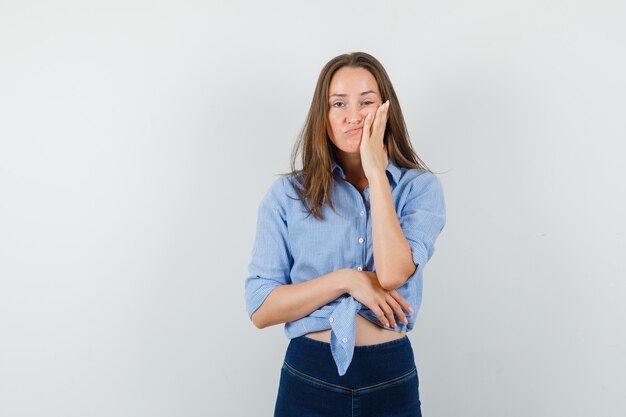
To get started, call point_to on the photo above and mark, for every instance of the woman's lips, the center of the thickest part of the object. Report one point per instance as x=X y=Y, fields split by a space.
x=353 y=131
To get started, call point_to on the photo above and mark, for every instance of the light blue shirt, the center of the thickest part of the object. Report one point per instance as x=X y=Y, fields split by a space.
x=290 y=247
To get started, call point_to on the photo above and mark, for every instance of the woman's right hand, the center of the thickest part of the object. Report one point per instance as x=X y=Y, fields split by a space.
x=365 y=288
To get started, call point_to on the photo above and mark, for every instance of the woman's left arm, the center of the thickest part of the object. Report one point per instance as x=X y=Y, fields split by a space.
x=392 y=253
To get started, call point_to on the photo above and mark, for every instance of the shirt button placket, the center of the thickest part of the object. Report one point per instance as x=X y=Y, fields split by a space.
x=361 y=240
x=363 y=227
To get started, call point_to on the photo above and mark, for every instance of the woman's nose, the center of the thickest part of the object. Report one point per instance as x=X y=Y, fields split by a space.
x=355 y=117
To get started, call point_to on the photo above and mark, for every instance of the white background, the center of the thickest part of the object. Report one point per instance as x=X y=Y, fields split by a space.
x=137 y=139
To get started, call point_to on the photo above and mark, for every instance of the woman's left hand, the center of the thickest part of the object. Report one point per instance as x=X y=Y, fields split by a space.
x=373 y=151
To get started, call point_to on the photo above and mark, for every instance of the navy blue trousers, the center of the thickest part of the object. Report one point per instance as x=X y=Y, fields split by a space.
x=381 y=381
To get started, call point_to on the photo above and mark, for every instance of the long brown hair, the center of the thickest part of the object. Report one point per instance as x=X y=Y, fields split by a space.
x=313 y=181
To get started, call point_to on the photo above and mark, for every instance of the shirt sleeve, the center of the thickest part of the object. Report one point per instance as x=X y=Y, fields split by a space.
x=271 y=261
x=423 y=217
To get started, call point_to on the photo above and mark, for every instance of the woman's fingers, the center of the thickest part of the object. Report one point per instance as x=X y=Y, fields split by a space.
x=405 y=305
x=380 y=315
x=384 y=303
x=397 y=308
x=367 y=128
x=380 y=121
x=389 y=313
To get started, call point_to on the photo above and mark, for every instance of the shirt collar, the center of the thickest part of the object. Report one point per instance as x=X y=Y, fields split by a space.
x=391 y=168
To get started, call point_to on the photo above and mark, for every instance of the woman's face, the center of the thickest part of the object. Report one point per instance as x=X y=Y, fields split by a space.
x=353 y=92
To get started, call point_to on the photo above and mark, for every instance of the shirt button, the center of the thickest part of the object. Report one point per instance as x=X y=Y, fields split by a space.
x=360 y=240
x=359 y=268
x=344 y=340
x=362 y=213
x=331 y=319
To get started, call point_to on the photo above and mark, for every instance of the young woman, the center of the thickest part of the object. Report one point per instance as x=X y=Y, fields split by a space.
x=340 y=248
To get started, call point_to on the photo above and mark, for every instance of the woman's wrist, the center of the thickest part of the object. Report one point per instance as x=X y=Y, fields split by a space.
x=346 y=277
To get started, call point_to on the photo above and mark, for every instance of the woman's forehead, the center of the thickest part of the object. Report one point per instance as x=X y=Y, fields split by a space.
x=352 y=81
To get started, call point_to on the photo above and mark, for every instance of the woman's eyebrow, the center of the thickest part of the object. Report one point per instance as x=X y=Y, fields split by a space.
x=344 y=95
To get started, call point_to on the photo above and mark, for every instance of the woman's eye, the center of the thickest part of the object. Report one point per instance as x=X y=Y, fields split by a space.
x=340 y=104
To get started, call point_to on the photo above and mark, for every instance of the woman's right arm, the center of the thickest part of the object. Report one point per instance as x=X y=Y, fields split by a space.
x=293 y=301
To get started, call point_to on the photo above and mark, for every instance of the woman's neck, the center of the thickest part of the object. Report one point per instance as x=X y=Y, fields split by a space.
x=351 y=165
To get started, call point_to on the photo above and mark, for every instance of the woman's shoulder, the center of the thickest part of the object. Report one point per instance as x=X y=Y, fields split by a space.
x=282 y=188
x=412 y=173
x=286 y=182
x=419 y=177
